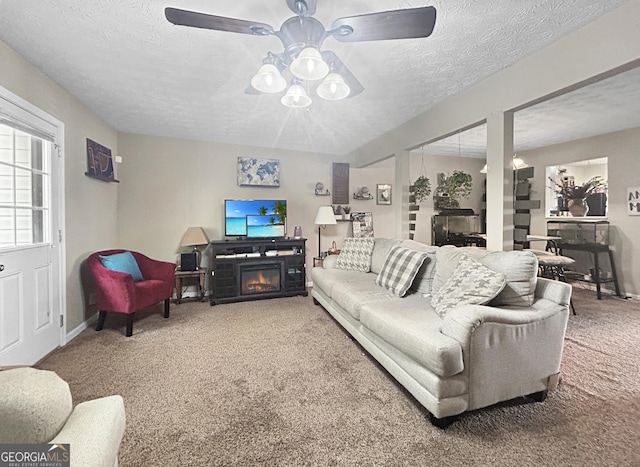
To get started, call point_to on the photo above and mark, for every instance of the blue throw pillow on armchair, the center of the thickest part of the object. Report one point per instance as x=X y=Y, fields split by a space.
x=123 y=262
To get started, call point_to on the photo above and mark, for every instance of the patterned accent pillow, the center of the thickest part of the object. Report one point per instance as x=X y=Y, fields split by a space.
x=399 y=269
x=355 y=254
x=471 y=283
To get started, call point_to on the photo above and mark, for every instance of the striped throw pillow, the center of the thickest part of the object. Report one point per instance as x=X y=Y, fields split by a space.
x=399 y=269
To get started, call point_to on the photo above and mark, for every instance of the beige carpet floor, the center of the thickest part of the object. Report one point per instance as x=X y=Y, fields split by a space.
x=277 y=382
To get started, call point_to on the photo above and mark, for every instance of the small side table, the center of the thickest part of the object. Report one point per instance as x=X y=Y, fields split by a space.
x=187 y=276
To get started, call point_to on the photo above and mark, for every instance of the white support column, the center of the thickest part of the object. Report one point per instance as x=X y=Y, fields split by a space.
x=401 y=194
x=500 y=197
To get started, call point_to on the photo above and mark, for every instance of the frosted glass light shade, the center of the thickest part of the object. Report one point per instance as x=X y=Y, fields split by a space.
x=333 y=88
x=519 y=163
x=296 y=97
x=309 y=65
x=483 y=170
x=268 y=79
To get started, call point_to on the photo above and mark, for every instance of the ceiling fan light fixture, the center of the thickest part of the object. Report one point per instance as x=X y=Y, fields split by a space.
x=296 y=97
x=268 y=79
x=333 y=88
x=309 y=65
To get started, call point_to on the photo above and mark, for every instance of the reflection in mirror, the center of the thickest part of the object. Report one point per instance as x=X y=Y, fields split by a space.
x=577 y=189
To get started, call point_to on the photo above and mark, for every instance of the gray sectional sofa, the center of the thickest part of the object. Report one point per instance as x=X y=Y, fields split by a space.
x=449 y=350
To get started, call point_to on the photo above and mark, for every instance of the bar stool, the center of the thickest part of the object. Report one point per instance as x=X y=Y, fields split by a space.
x=551 y=266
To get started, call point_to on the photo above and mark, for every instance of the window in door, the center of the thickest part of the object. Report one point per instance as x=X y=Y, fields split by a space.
x=24 y=188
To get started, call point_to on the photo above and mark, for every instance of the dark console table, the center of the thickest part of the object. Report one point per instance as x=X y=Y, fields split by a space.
x=252 y=269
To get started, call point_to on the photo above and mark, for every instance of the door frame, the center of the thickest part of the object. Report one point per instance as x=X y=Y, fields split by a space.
x=28 y=113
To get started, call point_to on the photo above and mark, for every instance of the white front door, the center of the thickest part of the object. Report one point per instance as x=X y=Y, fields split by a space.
x=30 y=253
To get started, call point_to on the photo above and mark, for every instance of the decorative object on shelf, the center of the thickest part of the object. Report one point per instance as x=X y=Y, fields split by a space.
x=297 y=231
x=362 y=223
x=324 y=217
x=346 y=212
x=301 y=61
x=633 y=200
x=193 y=237
x=337 y=211
x=578 y=207
x=334 y=249
x=383 y=193
x=576 y=195
x=257 y=171
x=450 y=189
x=320 y=190
x=99 y=162
x=363 y=193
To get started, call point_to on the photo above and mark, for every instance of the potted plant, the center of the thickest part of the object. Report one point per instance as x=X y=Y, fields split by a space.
x=421 y=188
x=346 y=212
x=451 y=189
x=576 y=195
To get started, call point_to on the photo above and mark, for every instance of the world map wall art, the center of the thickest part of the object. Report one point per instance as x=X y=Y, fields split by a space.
x=258 y=172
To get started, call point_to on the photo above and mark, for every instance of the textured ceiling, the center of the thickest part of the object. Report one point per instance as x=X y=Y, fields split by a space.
x=141 y=74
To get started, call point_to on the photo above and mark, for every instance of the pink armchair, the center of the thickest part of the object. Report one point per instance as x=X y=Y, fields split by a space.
x=117 y=291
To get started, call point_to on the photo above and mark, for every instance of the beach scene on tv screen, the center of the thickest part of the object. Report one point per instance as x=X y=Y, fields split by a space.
x=238 y=210
x=264 y=226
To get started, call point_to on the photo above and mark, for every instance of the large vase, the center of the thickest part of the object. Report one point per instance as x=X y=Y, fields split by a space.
x=578 y=207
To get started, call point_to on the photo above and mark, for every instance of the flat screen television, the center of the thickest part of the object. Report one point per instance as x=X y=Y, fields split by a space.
x=265 y=226
x=237 y=210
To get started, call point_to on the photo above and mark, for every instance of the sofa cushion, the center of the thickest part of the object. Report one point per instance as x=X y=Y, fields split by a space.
x=123 y=262
x=34 y=405
x=399 y=269
x=519 y=267
x=412 y=327
x=356 y=254
x=352 y=296
x=326 y=279
x=381 y=249
x=471 y=283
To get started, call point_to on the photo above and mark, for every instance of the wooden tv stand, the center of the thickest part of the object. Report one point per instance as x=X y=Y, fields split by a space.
x=252 y=269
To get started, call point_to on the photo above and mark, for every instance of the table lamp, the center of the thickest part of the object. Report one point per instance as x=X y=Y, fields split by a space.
x=194 y=237
x=324 y=217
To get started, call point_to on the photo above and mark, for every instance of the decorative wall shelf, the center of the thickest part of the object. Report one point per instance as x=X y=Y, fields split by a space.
x=362 y=197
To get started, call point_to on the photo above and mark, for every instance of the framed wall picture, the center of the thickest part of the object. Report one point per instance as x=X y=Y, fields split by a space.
x=258 y=172
x=362 y=223
x=383 y=194
x=99 y=162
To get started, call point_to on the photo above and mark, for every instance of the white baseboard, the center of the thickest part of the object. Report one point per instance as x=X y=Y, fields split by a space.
x=84 y=325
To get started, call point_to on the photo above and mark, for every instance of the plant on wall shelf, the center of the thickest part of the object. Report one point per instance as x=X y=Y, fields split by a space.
x=421 y=188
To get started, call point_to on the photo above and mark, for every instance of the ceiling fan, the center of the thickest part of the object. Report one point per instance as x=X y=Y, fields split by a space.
x=302 y=61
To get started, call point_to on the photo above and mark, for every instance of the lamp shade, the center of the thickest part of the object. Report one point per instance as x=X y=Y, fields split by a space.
x=325 y=216
x=309 y=65
x=518 y=163
x=333 y=88
x=296 y=97
x=194 y=236
x=268 y=79
x=483 y=170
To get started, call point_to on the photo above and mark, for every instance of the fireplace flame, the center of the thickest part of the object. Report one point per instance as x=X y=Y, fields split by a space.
x=260 y=283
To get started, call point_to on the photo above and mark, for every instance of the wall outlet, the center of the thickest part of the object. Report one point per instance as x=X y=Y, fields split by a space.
x=92 y=299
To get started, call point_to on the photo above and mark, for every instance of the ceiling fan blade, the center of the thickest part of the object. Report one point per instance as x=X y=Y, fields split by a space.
x=218 y=23
x=385 y=25
x=302 y=7
x=336 y=65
